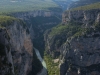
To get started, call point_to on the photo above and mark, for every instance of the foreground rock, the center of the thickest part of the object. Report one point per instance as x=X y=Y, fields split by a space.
x=16 y=48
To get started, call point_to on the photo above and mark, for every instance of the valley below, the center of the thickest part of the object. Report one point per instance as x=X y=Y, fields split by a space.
x=44 y=70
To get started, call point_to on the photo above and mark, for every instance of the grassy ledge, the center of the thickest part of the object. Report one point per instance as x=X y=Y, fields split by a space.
x=52 y=67
x=8 y=20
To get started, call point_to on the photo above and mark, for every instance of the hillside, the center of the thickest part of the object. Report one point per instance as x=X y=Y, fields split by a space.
x=26 y=5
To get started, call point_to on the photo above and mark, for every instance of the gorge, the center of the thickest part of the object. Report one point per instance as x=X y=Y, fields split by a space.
x=49 y=41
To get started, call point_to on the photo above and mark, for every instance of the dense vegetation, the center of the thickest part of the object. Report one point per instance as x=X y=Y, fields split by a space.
x=58 y=35
x=68 y=29
x=73 y=29
x=8 y=20
x=53 y=68
x=7 y=6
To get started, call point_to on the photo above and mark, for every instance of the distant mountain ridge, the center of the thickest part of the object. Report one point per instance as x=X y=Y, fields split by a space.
x=26 y=5
x=31 y=5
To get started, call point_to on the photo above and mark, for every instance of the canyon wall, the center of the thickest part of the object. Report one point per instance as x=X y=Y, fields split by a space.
x=17 y=48
x=76 y=43
x=6 y=62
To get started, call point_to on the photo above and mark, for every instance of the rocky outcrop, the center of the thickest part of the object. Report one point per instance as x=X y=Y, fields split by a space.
x=86 y=17
x=6 y=62
x=81 y=55
x=16 y=54
x=35 y=13
x=78 y=43
x=22 y=48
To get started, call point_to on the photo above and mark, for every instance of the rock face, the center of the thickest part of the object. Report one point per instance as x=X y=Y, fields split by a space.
x=84 y=17
x=6 y=62
x=36 y=13
x=22 y=48
x=82 y=53
x=16 y=49
x=79 y=48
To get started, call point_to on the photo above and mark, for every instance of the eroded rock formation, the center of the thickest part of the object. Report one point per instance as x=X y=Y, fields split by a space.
x=78 y=45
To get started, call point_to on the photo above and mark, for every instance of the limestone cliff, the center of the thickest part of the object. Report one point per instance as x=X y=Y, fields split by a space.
x=21 y=48
x=35 y=13
x=82 y=52
x=6 y=62
x=17 y=47
x=76 y=42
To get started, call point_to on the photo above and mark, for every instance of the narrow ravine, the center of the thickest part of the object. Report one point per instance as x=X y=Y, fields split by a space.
x=44 y=70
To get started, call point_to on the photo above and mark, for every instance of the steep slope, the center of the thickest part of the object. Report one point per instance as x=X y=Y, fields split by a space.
x=6 y=63
x=76 y=42
x=17 y=48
